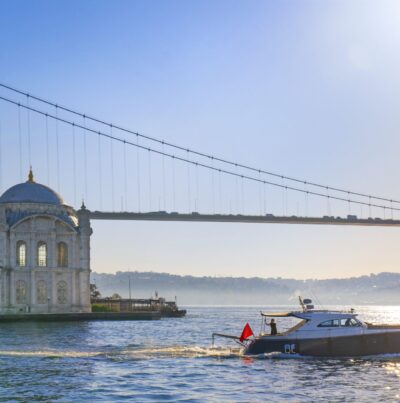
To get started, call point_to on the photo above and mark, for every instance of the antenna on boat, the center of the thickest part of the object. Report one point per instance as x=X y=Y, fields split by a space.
x=317 y=299
x=302 y=304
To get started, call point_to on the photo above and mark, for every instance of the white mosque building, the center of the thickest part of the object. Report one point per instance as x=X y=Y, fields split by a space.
x=44 y=252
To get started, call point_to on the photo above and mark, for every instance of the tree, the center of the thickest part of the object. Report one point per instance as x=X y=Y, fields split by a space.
x=116 y=296
x=94 y=292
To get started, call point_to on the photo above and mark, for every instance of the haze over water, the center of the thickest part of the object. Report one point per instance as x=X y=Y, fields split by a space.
x=172 y=360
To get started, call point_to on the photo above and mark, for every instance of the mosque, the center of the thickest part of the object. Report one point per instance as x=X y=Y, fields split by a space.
x=44 y=252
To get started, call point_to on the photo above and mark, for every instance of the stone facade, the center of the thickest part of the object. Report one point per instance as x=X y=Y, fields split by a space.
x=44 y=252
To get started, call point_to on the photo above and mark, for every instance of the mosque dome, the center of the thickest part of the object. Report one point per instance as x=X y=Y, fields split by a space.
x=31 y=192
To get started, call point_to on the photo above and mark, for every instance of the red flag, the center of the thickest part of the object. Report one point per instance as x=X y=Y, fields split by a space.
x=247 y=332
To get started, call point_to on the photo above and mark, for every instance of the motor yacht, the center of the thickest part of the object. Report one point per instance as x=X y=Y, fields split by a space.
x=321 y=333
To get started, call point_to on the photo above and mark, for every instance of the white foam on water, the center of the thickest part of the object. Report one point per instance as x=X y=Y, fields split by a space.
x=202 y=352
x=183 y=352
x=60 y=354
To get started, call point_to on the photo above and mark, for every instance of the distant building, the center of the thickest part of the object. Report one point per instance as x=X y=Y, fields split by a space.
x=44 y=252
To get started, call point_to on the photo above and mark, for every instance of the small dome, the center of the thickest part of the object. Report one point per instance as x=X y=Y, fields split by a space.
x=31 y=192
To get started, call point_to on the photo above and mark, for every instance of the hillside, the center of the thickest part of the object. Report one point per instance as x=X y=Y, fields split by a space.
x=382 y=288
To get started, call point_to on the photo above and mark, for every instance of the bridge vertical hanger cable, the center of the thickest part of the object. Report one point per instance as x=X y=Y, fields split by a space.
x=197 y=202
x=260 y=194
x=47 y=151
x=242 y=191
x=57 y=152
x=29 y=131
x=237 y=190
x=328 y=203
x=189 y=190
x=219 y=192
x=138 y=173
x=112 y=172
x=349 y=204
x=265 y=198
x=74 y=162
x=20 y=142
x=85 y=157
x=213 y=187
x=125 y=180
x=149 y=169
x=100 y=173
x=173 y=184
x=163 y=178
x=370 y=209
x=286 y=199
x=305 y=199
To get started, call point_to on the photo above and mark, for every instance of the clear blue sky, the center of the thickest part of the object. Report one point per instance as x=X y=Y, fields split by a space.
x=305 y=88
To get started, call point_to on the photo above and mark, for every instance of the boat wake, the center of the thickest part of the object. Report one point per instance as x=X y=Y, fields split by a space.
x=202 y=352
x=145 y=353
x=226 y=352
x=49 y=354
x=183 y=352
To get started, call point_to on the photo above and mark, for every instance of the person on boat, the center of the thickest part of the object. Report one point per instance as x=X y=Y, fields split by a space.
x=272 y=324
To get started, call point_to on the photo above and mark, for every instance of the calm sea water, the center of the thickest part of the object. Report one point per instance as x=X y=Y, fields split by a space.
x=172 y=360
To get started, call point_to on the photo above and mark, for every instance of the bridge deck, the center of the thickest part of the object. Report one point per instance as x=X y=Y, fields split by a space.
x=267 y=219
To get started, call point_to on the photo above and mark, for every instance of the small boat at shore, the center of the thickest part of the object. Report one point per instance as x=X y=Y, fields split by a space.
x=321 y=333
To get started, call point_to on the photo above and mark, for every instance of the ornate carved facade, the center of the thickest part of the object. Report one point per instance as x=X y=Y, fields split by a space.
x=44 y=252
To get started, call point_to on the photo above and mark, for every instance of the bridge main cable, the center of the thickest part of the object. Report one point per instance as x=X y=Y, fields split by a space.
x=188 y=150
x=195 y=163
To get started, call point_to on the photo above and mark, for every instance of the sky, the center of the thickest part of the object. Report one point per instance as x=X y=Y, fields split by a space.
x=308 y=89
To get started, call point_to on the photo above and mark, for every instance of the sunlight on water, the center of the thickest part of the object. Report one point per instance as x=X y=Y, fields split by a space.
x=393 y=368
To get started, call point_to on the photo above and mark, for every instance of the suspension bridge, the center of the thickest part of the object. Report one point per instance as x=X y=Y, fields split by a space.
x=122 y=174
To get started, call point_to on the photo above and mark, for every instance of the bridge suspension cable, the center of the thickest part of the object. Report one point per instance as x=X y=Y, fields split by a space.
x=203 y=165
x=201 y=154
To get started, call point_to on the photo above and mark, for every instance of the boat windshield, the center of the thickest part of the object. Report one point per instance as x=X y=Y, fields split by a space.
x=345 y=322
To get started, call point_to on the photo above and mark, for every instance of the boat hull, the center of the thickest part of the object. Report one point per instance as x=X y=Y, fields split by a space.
x=343 y=346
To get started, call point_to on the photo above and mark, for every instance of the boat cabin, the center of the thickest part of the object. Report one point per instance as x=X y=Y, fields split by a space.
x=311 y=320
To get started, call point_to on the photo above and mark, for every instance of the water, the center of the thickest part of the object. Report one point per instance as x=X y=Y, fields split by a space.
x=172 y=360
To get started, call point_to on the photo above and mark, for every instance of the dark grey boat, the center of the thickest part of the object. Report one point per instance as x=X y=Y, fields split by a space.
x=325 y=333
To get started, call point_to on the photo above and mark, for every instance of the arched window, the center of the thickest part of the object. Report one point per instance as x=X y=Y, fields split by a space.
x=21 y=253
x=42 y=254
x=62 y=292
x=21 y=292
x=41 y=292
x=62 y=254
